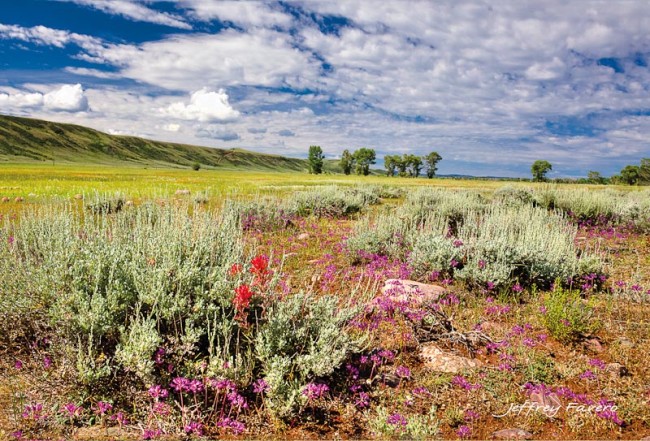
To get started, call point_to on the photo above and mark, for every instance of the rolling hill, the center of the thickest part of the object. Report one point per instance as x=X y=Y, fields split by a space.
x=26 y=139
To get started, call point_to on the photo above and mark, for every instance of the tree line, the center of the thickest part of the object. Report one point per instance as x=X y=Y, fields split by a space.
x=360 y=161
x=629 y=175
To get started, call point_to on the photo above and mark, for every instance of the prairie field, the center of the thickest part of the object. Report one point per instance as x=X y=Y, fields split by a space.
x=163 y=303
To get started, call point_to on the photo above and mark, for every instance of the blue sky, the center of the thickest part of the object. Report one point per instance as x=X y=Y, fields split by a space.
x=491 y=86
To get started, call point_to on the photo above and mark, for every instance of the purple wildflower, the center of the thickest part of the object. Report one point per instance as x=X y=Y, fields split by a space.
x=397 y=420
x=194 y=427
x=403 y=372
x=464 y=432
x=102 y=408
x=72 y=410
x=260 y=386
x=157 y=392
x=315 y=391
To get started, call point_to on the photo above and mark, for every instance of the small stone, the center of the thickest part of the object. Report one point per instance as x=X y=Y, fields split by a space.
x=32 y=195
x=440 y=361
x=182 y=192
x=303 y=236
x=19 y=199
x=129 y=203
x=78 y=196
x=408 y=290
x=5 y=199
x=616 y=370
x=625 y=342
x=514 y=433
x=593 y=344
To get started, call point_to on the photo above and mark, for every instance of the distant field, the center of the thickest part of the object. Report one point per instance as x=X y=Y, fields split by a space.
x=21 y=180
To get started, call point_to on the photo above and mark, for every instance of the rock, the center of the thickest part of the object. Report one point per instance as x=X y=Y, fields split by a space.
x=303 y=236
x=593 y=344
x=440 y=361
x=514 y=433
x=78 y=196
x=5 y=199
x=32 y=195
x=19 y=199
x=616 y=370
x=129 y=203
x=409 y=290
x=548 y=401
x=94 y=433
x=182 y=192
x=625 y=342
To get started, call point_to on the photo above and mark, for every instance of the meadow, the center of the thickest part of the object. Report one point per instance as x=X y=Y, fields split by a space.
x=163 y=303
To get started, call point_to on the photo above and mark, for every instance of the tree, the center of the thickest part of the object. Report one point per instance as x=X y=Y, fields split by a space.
x=644 y=172
x=347 y=162
x=315 y=160
x=414 y=164
x=431 y=161
x=402 y=164
x=196 y=166
x=539 y=170
x=364 y=158
x=390 y=163
x=595 y=177
x=630 y=175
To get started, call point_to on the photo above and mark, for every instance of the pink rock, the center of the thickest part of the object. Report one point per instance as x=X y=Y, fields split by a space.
x=512 y=434
x=438 y=360
x=411 y=291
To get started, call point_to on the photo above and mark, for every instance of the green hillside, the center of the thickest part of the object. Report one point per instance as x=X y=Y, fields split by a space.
x=27 y=140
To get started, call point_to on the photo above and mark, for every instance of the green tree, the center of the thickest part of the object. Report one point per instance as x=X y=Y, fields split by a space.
x=539 y=170
x=390 y=163
x=315 y=160
x=363 y=159
x=402 y=164
x=347 y=162
x=644 y=172
x=630 y=175
x=414 y=164
x=431 y=161
x=595 y=177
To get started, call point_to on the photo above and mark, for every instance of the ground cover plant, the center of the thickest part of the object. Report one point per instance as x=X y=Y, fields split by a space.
x=200 y=310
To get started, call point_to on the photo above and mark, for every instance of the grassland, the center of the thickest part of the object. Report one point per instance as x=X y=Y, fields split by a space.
x=252 y=305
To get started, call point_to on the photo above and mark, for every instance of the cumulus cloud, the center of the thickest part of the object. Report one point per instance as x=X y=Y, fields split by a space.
x=67 y=98
x=205 y=106
x=135 y=10
x=257 y=130
x=286 y=133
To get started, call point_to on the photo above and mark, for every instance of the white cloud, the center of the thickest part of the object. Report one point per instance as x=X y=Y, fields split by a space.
x=20 y=100
x=179 y=62
x=84 y=71
x=205 y=106
x=45 y=36
x=67 y=98
x=171 y=127
x=135 y=10
x=246 y=13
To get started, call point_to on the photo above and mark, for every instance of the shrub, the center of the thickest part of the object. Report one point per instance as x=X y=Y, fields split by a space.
x=514 y=196
x=567 y=317
x=303 y=339
x=329 y=201
x=196 y=166
x=122 y=285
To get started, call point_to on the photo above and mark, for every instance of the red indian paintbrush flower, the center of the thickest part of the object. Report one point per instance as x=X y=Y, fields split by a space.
x=242 y=298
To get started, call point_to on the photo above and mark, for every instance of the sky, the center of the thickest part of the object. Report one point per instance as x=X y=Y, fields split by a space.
x=491 y=86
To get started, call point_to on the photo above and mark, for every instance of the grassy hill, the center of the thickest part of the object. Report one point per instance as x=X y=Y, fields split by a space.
x=26 y=139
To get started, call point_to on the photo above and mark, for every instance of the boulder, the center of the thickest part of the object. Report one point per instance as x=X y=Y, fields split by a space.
x=5 y=199
x=19 y=199
x=438 y=360
x=182 y=192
